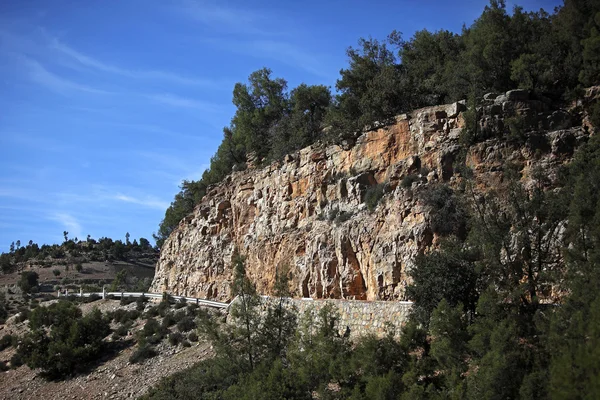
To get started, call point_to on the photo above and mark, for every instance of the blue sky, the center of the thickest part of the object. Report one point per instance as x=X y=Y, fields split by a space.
x=106 y=106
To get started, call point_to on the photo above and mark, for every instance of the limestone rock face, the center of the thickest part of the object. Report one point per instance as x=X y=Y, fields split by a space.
x=309 y=211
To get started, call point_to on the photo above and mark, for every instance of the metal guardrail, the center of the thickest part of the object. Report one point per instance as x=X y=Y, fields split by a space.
x=193 y=300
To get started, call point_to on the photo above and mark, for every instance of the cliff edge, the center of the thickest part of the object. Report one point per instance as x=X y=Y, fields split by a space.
x=349 y=220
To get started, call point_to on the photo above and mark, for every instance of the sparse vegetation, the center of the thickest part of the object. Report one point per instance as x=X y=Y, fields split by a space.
x=175 y=338
x=143 y=352
x=7 y=341
x=447 y=214
x=408 y=180
x=186 y=324
x=373 y=196
x=343 y=216
x=62 y=341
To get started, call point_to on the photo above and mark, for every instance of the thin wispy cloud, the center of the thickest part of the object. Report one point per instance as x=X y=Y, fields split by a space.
x=70 y=223
x=281 y=51
x=288 y=54
x=40 y=75
x=15 y=193
x=158 y=130
x=183 y=102
x=148 y=202
x=94 y=63
x=233 y=20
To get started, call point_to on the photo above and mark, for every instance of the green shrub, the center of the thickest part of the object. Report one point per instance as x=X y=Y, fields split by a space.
x=28 y=281
x=142 y=353
x=163 y=308
x=141 y=303
x=408 y=180
x=374 y=195
x=192 y=336
x=123 y=329
x=16 y=360
x=3 y=366
x=7 y=341
x=448 y=215
x=343 y=216
x=181 y=303
x=175 y=338
x=594 y=115
x=56 y=272
x=192 y=309
x=153 y=332
x=517 y=126
x=126 y=300
x=93 y=297
x=186 y=324
x=87 y=288
x=62 y=341
x=123 y=316
x=168 y=320
x=152 y=312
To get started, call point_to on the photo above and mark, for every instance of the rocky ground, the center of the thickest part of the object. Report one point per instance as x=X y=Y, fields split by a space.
x=112 y=378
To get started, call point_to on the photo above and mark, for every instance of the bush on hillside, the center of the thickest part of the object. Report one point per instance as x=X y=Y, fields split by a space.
x=142 y=353
x=62 y=341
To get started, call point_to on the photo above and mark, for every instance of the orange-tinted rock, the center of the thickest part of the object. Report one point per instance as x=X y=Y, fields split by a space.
x=309 y=213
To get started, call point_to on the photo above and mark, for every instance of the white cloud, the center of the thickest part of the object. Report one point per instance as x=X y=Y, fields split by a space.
x=182 y=102
x=149 y=202
x=69 y=222
x=233 y=20
x=40 y=75
x=285 y=53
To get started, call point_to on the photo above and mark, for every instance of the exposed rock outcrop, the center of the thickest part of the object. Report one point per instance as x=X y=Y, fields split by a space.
x=309 y=211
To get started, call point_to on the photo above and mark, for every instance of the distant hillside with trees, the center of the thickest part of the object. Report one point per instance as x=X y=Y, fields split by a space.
x=127 y=264
x=553 y=54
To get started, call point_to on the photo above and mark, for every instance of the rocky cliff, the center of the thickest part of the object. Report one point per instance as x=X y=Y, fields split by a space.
x=349 y=220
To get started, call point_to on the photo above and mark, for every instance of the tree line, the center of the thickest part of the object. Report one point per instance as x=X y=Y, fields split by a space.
x=553 y=55
x=90 y=249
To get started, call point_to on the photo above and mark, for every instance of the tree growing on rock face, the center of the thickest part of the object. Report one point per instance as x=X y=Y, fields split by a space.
x=303 y=121
x=370 y=89
x=260 y=104
x=431 y=61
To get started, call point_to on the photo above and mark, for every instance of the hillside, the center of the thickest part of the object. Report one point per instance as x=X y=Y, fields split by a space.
x=114 y=376
x=90 y=261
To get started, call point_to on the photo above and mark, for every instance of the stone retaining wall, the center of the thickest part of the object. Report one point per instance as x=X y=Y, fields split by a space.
x=359 y=317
